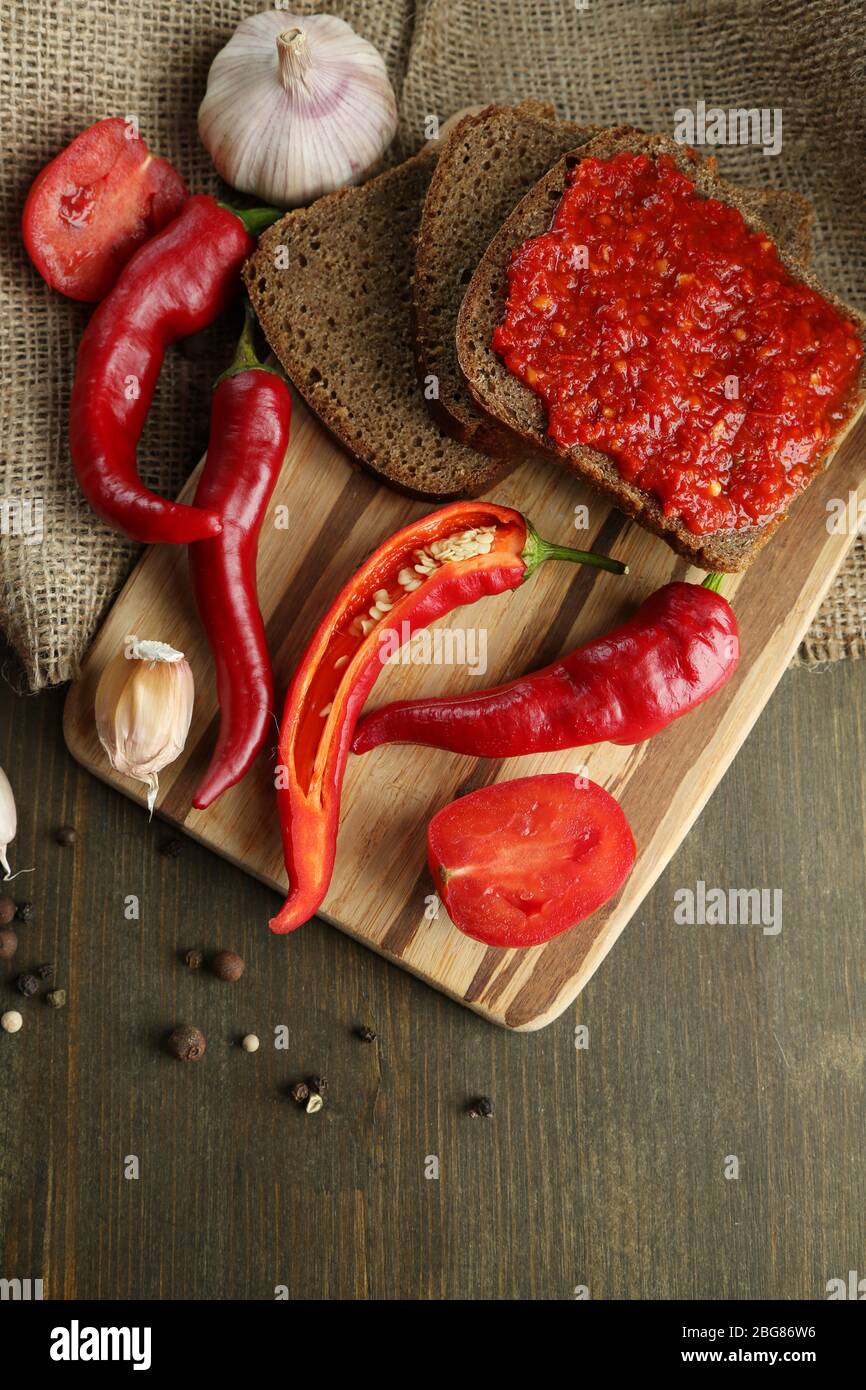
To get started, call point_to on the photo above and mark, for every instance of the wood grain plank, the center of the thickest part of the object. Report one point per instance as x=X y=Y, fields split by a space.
x=380 y=893
x=601 y=1167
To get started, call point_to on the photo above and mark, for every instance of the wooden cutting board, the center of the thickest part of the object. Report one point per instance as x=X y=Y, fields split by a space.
x=327 y=515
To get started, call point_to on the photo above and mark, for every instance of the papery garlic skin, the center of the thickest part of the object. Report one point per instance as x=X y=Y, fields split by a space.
x=143 y=707
x=8 y=823
x=296 y=106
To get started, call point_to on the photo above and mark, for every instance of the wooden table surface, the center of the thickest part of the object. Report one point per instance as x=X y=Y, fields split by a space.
x=603 y=1167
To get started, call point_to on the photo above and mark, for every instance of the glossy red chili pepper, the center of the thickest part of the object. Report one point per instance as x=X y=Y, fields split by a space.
x=174 y=285
x=249 y=434
x=680 y=647
x=451 y=557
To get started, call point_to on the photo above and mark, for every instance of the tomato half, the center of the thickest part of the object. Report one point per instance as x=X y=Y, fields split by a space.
x=519 y=862
x=95 y=204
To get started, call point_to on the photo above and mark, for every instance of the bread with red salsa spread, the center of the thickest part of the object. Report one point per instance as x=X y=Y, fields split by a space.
x=331 y=287
x=490 y=161
x=510 y=404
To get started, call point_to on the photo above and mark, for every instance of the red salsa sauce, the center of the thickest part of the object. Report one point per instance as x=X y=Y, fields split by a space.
x=658 y=328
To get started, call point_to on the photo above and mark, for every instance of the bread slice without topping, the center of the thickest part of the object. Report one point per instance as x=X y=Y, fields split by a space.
x=338 y=318
x=511 y=405
x=487 y=164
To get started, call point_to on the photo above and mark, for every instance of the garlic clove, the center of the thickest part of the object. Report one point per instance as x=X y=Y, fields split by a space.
x=8 y=827
x=8 y=823
x=143 y=707
x=296 y=106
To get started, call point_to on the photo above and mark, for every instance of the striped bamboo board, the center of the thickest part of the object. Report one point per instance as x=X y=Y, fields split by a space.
x=327 y=516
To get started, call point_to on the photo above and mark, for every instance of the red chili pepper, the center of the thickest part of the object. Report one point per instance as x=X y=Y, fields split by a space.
x=249 y=434
x=680 y=647
x=174 y=285
x=451 y=557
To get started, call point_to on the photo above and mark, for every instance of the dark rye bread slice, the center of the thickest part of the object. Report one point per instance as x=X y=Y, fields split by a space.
x=338 y=319
x=511 y=405
x=486 y=165
x=491 y=159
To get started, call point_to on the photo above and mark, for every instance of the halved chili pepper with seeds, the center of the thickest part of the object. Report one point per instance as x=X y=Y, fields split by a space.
x=452 y=557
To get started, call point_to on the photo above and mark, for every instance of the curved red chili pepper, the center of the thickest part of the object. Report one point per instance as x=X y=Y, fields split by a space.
x=680 y=647
x=249 y=434
x=174 y=285
x=471 y=549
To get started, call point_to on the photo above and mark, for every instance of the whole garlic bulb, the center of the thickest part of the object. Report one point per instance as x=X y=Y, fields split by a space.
x=296 y=106
x=143 y=710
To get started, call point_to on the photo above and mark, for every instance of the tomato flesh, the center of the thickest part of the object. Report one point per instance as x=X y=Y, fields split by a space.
x=94 y=205
x=520 y=862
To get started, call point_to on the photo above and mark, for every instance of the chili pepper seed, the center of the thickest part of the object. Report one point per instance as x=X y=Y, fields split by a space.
x=314 y=1104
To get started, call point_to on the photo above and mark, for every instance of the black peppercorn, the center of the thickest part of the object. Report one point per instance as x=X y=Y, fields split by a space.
x=367 y=1034
x=186 y=1043
x=194 y=959
x=66 y=835
x=300 y=1092
x=227 y=965
x=7 y=910
x=8 y=943
x=45 y=972
x=25 y=912
x=171 y=848
x=319 y=1084
x=27 y=985
x=482 y=1108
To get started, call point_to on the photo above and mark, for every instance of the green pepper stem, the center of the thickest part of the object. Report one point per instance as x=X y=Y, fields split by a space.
x=245 y=359
x=255 y=219
x=714 y=582
x=536 y=551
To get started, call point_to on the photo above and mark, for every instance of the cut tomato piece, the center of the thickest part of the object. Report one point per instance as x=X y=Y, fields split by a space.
x=95 y=204
x=519 y=862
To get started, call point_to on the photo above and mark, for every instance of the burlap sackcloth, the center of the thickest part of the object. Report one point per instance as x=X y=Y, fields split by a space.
x=606 y=61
